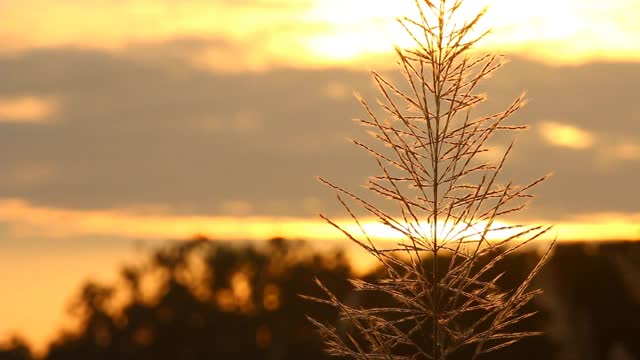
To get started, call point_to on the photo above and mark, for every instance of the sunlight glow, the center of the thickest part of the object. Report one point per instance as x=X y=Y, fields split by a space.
x=567 y=136
x=258 y=34
x=24 y=219
x=447 y=232
x=565 y=31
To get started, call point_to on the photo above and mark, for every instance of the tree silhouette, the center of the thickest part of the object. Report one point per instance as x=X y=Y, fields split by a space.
x=212 y=301
x=15 y=349
x=179 y=303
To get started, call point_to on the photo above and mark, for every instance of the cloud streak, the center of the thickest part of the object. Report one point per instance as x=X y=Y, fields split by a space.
x=27 y=220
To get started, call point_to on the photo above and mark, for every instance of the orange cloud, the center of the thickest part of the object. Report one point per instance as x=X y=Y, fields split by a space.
x=27 y=109
x=318 y=32
x=602 y=226
x=567 y=136
x=24 y=219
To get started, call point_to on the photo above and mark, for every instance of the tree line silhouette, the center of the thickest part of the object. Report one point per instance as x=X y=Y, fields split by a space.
x=203 y=299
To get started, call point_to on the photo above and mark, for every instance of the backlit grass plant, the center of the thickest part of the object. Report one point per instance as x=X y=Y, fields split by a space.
x=448 y=197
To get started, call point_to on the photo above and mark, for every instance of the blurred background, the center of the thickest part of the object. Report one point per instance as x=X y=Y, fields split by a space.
x=129 y=126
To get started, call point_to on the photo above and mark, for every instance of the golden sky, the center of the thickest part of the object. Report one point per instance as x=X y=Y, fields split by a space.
x=174 y=84
x=265 y=33
x=243 y=35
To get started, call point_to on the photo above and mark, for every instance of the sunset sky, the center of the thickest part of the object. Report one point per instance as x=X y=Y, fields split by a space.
x=127 y=121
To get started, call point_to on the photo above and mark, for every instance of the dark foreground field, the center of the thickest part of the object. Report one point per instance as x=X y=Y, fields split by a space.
x=208 y=300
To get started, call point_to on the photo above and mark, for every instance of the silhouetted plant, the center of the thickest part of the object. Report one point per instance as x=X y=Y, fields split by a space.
x=441 y=276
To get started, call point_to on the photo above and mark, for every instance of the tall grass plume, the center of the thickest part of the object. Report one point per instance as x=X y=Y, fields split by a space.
x=448 y=200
